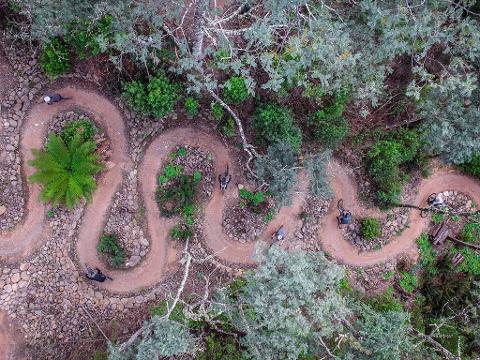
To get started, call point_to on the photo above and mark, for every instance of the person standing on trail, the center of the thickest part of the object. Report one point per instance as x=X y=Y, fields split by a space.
x=95 y=275
x=224 y=180
x=53 y=98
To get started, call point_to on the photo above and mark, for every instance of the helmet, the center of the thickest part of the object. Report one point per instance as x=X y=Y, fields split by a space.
x=46 y=99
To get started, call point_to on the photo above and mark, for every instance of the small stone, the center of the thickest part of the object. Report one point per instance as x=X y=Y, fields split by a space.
x=8 y=288
x=3 y=209
x=15 y=278
x=240 y=186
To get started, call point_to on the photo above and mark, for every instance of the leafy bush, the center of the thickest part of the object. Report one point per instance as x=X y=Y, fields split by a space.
x=385 y=302
x=427 y=253
x=407 y=281
x=229 y=127
x=84 y=127
x=235 y=90
x=220 y=348
x=267 y=167
x=317 y=170
x=86 y=37
x=386 y=157
x=174 y=195
x=109 y=245
x=472 y=166
x=181 y=232
x=329 y=131
x=156 y=98
x=370 y=228
x=438 y=217
x=66 y=170
x=471 y=264
x=330 y=127
x=470 y=232
x=217 y=111
x=253 y=199
x=273 y=123
x=54 y=58
x=191 y=106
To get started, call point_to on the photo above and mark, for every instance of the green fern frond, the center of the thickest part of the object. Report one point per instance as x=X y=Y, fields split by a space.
x=66 y=171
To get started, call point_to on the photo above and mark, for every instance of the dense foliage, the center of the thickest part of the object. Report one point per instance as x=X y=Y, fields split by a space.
x=370 y=228
x=235 y=90
x=386 y=158
x=110 y=246
x=330 y=127
x=191 y=106
x=316 y=166
x=157 y=97
x=85 y=128
x=66 y=171
x=472 y=166
x=276 y=169
x=54 y=58
x=273 y=123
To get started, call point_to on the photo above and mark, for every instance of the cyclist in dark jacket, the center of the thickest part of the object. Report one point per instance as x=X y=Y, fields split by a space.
x=53 y=98
x=95 y=275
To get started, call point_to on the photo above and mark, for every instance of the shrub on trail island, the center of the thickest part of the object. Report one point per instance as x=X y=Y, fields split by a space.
x=55 y=59
x=235 y=90
x=273 y=124
x=157 y=97
x=110 y=246
x=66 y=171
x=84 y=127
x=370 y=228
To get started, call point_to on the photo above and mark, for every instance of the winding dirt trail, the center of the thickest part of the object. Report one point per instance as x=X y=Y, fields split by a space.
x=162 y=250
x=33 y=231
x=344 y=252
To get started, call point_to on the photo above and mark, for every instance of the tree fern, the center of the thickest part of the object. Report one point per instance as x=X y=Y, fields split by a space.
x=66 y=171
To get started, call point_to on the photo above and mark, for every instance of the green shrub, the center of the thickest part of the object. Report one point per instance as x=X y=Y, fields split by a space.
x=253 y=199
x=329 y=131
x=173 y=196
x=471 y=263
x=110 y=246
x=273 y=123
x=472 y=167
x=170 y=172
x=229 y=128
x=427 y=253
x=181 y=232
x=385 y=302
x=386 y=156
x=330 y=127
x=54 y=58
x=407 y=281
x=219 y=347
x=66 y=170
x=217 y=111
x=370 y=228
x=84 y=127
x=156 y=98
x=235 y=90
x=470 y=232
x=85 y=37
x=438 y=217
x=191 y=106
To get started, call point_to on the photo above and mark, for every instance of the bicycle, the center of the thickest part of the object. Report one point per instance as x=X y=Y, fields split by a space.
x=278 y=235
x=95 y=275
x=345 y=215
x=431 y=205
x=224 y=179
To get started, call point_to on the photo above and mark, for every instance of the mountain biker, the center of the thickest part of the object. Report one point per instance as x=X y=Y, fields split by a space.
x=279 y=235
x=224 y=180
x=95 y=275
x=437 y=201
x=345 y=217
x=53 y=98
